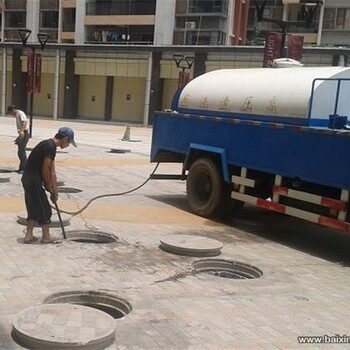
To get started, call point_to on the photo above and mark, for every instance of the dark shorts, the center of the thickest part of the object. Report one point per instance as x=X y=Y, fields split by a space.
x=37 y=204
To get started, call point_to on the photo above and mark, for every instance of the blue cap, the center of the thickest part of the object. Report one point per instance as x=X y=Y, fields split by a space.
x=69 y=133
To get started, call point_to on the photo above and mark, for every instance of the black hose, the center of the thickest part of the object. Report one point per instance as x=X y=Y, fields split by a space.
x=109 y=195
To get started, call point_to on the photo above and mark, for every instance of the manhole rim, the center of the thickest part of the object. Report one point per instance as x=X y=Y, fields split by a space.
x=123 y=306
x=73 y=235
x=226 y=265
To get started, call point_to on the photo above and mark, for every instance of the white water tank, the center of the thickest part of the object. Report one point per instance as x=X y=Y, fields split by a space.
x=269 y=94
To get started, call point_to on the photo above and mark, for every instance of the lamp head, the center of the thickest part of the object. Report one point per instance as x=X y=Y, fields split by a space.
x=24 y=35
x=42 y=38
x=189 y=60
x=178 y=58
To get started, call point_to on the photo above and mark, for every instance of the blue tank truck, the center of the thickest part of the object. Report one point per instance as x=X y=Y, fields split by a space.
x=276 y=138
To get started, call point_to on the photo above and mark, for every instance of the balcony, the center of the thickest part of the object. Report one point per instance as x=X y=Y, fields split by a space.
x=51 y=33
x=11 y=35
x=122 y=7
x=67 y=37
x=208 y=6
x=121 y=35
x=299 y=27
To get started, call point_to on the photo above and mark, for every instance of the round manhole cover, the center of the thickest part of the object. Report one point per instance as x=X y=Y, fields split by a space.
x=82 y=236
x=105 y=301
x=55 y=222
x=190 y=245
x=67 y=326
x=4 y=179
x=68 y=190
x=227 y=269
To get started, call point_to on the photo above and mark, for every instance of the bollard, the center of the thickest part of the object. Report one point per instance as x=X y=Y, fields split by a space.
x=126 y=136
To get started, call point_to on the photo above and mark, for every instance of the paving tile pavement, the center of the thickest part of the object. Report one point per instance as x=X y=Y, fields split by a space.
x=303 y=290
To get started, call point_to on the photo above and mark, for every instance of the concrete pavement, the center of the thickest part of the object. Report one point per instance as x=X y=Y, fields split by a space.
x=303 y=290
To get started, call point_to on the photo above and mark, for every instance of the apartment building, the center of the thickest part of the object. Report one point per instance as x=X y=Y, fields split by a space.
x=321 y=22
x=178 y=22
x=114 y=58
x=175 y=22
x=336 y=23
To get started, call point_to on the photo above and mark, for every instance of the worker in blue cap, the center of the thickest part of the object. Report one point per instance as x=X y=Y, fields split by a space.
x=40 y=175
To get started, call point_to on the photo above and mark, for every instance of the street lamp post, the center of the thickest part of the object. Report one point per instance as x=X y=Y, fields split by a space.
x=282 y=24
x=308 y=8
x=185 y=63
x=33 y=69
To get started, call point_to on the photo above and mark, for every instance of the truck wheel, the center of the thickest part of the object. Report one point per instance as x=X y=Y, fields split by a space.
x=205 y=188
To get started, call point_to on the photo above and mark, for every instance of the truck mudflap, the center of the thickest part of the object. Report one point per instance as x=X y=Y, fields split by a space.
x=282 y=196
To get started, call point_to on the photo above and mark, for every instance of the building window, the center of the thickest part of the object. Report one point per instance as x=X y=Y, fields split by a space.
x=336 y=19
x=48 y=19
x=342 y=21
x=15 y=19
x=328 y=18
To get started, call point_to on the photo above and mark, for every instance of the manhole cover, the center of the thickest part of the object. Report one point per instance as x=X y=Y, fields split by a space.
x=105 y=301
x=5 y=171
x=4 y=179
x=227 y=269
x=68 y=190
x=119 y=150
x=22 y=220
x=90 y=237
x=190 y=245
x=67 y=326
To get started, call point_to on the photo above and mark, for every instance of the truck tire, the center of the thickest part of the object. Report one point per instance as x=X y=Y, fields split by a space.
x=206 y=190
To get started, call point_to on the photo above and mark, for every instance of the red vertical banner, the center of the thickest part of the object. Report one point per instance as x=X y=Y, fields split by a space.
x=184 y=78
x=272 y=48
x=30 y=72
x=33 y=72
x=37 y=76
x=295 y=47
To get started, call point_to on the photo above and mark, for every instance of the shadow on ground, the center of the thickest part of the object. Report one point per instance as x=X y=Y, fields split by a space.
x=261 y=225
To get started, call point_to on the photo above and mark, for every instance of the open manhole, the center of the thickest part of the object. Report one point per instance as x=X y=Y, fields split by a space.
x=82 y=236
x=119 y=150
x=227 y=269
x=106 y=301
x=4 y=179
x=68 y=190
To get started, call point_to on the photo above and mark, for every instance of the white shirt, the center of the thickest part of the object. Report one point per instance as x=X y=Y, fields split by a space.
x=20 y=118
